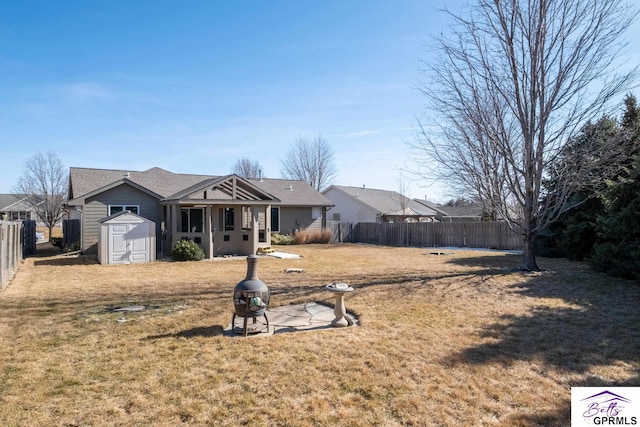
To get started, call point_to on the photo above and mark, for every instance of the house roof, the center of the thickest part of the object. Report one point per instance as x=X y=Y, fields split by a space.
x=168 y=185
x=292 y=192
x=9 y=202
x=472 y=210
x=384 y=201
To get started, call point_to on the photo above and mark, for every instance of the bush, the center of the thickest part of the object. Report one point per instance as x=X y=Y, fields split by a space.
x=304 y=237
x=187 y=250
x=281 y=239
x=56 y=241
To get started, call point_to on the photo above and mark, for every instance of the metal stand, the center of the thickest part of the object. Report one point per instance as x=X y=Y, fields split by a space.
x=245 y=329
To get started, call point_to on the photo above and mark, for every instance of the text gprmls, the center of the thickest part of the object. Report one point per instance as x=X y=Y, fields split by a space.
x=611 y=415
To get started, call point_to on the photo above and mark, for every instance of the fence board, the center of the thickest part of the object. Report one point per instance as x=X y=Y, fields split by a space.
x=490 y=235
x=11 y=239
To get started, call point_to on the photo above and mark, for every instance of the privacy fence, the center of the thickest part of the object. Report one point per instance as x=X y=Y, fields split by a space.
x=489 y=234
x=12 y=248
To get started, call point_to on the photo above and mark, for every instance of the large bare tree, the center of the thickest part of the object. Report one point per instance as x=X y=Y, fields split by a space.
x=310 y=160
x=513 y=82
x=247 y=168
x=44 y=183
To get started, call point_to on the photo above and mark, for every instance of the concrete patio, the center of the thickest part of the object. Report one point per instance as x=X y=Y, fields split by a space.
x=291 y=318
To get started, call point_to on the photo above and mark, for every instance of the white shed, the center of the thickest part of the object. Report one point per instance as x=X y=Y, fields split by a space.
x=126 y=238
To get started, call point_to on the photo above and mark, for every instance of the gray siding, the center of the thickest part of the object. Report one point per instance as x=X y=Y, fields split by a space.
x=298 y=218
x=350 y=209
x=97 y=208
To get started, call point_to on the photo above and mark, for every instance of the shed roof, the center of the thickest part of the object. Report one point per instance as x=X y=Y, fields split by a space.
x=124 y=213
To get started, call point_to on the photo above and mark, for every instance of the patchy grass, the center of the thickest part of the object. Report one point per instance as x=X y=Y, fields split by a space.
x=452 y=340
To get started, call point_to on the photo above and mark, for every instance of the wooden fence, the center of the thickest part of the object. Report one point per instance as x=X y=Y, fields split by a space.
x=11 y=249
x=489 y=234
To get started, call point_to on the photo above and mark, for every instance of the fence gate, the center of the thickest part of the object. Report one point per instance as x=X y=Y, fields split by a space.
x=28 y=238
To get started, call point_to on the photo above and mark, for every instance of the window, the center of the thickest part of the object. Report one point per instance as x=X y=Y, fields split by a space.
x=227 y=219
x=246 y=218
x=275 y=220
x=192 y=220
x=119 y=208
x=20 y=215
x=316 y=212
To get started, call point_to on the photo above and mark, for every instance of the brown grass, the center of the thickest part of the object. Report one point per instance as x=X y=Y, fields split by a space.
x=444 y=340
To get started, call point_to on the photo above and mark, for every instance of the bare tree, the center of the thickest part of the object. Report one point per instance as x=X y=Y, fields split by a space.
x=247 y=168
x=311 y=161
x=513 y=83
x=402 y=185
x=44 y=183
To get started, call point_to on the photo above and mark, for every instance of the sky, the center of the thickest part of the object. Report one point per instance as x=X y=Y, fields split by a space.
x=194 y=86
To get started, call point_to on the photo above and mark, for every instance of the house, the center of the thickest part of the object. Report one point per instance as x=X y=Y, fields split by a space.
x=466 y=212
x=223 y=214
x=15 y=208
x=361 y=204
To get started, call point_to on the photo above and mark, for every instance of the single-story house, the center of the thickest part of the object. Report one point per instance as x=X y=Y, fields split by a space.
x=361 y=204
x=223 y=214
x=15 y=208
x=464 y=213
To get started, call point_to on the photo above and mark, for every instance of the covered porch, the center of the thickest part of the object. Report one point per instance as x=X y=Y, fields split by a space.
x=224 y=216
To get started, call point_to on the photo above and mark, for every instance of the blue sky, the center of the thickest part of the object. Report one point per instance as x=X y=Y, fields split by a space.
x=194 y=86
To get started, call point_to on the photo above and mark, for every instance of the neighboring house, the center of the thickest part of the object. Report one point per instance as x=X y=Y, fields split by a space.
x=446 y=213
x=223 y=214
x=361 y=204
x=15 y=208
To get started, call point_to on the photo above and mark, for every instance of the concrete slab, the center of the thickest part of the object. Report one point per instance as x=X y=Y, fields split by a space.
x=288 y=318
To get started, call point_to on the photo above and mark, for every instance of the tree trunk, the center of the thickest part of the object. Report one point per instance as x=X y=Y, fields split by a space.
x=529 y=256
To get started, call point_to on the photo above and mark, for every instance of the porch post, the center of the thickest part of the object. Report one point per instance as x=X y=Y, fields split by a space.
x=267 y=225
x=173 y=225
x=208 y=232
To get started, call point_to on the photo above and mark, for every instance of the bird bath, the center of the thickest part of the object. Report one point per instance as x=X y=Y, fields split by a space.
x=339 y=289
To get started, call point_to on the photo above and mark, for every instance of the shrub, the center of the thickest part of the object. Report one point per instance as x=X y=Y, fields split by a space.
x=281 y=239
x=187 y=250
x=56 y=241
x=304 y=237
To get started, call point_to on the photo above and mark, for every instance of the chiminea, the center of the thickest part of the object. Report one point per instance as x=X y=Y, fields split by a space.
x=250 y=298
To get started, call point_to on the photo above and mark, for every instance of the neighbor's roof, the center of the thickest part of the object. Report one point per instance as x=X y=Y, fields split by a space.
x=472 y=210
x=9 y=202
x=83 y=181
x=384 y=201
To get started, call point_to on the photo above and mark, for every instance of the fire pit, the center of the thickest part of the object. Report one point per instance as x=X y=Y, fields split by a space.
x=250 y=300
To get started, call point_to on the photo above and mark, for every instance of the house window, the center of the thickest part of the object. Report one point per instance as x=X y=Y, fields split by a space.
x=316 y=212
x=336 y=217
x=192 y=220
x=275 y=220
x=227 y=219
x=20 y=215
x=246 y=218
x=119 y=208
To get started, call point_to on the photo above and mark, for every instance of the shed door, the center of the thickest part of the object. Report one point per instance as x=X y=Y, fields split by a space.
x=129 y=243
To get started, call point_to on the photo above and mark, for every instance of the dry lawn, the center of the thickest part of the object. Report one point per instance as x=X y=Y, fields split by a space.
x=460 y=339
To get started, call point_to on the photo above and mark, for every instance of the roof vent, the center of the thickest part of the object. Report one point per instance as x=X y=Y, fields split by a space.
x=127 y=174
x=290 y=187
x=363 y=187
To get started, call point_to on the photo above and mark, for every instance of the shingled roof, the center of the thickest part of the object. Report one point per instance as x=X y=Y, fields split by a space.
x=385 y=202
x=166 y=184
